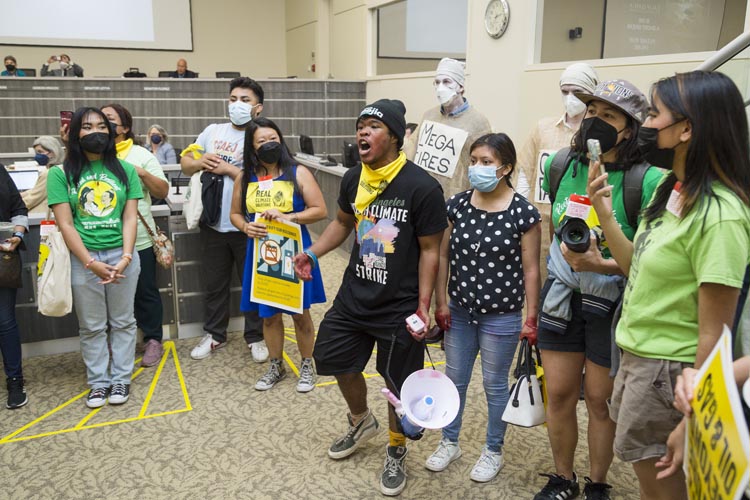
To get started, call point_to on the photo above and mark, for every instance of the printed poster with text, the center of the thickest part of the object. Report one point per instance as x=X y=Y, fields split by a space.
x=718 y=445
x=439 y=147
x=274 y=280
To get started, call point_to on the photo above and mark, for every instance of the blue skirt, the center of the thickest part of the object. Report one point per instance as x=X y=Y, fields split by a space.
x=314 y=291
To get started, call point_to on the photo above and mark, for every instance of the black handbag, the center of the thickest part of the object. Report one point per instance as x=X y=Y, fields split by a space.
x=10 y=270
x=212 y=191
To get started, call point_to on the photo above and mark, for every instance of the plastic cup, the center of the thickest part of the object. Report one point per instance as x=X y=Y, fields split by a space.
x=6 y=230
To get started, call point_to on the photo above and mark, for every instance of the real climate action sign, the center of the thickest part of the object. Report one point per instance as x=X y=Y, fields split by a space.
x=274 y=281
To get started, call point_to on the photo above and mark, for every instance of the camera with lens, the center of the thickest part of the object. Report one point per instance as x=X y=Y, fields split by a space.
x=575 y=233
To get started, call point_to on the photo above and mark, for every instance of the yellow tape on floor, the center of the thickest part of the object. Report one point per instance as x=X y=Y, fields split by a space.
x=169 y=348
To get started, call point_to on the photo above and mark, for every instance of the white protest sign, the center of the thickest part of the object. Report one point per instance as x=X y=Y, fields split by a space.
x=439 y=147
x=540 y=195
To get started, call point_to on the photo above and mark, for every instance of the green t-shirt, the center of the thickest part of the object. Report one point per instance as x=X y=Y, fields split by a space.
x=577 y=185
x=97 y=202
x=671 y=258
x=143 y=158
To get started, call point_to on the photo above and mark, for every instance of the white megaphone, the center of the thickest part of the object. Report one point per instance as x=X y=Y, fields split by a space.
x=429 y=400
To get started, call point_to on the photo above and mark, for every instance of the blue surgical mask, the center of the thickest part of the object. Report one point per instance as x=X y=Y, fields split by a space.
x=240 y=113
x=41 y=159
x=483 y=178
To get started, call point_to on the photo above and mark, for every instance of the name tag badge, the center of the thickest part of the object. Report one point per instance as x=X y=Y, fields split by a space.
x=674 y=204
x=46 y=227
x=578 y=206
x=265 y=183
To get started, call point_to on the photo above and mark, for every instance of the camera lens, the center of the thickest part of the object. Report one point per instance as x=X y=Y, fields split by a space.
x=575 y=233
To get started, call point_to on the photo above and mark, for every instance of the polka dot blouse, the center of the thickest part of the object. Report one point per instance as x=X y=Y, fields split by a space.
x=486 y=274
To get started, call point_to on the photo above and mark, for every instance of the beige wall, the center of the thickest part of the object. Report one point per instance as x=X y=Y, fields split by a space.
x=559 y=18
x=301 y=37
x=225 y=38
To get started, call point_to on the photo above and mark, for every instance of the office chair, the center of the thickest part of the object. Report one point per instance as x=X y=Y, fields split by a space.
x=134 y=73
x=227 y=74
x=351 y=155
x=29 y=71
x=164 y=74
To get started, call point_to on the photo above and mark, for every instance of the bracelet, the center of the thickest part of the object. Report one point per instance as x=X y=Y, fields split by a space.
x=19 y=235
x=127 y=257
x=313 y=258
x=91 y=261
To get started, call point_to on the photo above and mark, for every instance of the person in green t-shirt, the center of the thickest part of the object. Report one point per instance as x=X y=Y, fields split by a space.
x=149 y=310
x=581 y=293
x=685 y=266
x=94 y=197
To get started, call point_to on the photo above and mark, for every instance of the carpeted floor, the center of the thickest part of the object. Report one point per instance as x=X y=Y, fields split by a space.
x=198 y=429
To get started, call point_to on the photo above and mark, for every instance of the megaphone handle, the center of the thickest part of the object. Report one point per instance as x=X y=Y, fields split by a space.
x=397 y=406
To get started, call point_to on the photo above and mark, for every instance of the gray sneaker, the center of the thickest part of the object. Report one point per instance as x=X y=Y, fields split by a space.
x=307 y=377
x=355 y=437
x=393 y=479
x=276 y=372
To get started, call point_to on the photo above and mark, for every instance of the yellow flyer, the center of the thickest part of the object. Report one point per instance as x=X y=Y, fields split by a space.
x=274 y=280
x=718 y=445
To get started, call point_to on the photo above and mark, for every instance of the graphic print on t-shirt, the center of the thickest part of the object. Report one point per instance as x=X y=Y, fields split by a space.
x=376 y=234
x=97 y=198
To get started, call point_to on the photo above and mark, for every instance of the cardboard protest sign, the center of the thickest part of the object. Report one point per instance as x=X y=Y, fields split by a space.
x=439 y=147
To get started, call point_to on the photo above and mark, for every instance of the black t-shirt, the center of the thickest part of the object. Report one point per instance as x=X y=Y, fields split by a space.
x=380 y=287
x=485 y=254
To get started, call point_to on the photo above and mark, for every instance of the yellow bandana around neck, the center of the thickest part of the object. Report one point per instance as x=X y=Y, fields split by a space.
x=373 y=182
x=123 y=148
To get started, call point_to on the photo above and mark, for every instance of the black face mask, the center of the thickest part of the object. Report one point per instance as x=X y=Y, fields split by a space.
x=10 y=67
x=648 y=138
x=155 y=139
x=596 y=128
x=95 y=142
x=270 y=152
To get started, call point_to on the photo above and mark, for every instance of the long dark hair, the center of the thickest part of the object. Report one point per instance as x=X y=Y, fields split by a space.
x=502 y=147
x=251 y=162
x=76 y=161
x=125 y=117
x=718 y=149
x=627 y=153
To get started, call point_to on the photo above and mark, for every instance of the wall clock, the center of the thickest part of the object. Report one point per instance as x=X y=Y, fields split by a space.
x=496 y=18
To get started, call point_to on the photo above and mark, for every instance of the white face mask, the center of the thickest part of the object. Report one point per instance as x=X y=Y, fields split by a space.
x=444 y=94
x=240 y=113
x=573 y=105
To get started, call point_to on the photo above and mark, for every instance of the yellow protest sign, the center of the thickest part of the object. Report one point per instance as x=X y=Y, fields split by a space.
x=718 y=445
x=274 y=280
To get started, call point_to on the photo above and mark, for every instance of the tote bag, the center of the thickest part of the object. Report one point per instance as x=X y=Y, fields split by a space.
x=54 y=295
x=193 y=206
x=525 y=407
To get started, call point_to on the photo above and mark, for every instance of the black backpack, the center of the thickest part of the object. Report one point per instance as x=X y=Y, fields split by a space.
x=632 y=182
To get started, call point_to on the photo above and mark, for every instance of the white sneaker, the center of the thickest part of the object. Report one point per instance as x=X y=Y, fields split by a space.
x=306 y=382
x=447 y=452
x=259 y=350
x=488 y=465
x=205 y=347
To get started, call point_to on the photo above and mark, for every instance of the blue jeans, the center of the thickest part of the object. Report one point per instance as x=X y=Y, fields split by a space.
x=98 y=306
x=495 y=336
x=10 y=338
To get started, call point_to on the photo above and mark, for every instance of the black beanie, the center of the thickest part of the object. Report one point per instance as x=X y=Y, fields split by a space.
x=391 y=112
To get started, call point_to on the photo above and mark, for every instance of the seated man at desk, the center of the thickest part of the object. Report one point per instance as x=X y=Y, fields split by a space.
x=64 y=67
x=182 y=71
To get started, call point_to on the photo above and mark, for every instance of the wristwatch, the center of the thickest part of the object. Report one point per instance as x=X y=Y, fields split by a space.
x=19 y=234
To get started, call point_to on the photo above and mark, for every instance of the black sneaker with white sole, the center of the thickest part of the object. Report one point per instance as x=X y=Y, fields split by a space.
x=595 y=491
x=119 y=394
x=393 y=478
x=16 y=393
x=97 y=397
x=558 y=488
